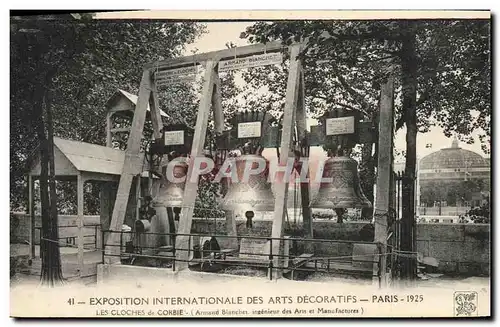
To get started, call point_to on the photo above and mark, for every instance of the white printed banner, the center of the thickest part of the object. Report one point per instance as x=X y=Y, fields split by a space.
x=172 y=76
x=174 y=138
x=339 y=126
x=254 y=61
x=251 y=129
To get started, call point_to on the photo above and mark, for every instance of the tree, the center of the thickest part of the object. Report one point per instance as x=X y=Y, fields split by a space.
x=451 y=56
x=478 y=215
x=432 y=191
x=51 y=273
x=62 y=73
x=454 y=192
x=105 y=56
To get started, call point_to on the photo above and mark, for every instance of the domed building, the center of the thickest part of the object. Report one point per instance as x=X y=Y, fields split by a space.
x=453 y=177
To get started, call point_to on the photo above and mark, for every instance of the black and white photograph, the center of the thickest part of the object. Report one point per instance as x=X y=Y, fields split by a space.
x=266 y=164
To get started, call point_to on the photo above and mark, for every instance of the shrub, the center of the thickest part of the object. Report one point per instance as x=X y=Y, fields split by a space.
x=477 y=215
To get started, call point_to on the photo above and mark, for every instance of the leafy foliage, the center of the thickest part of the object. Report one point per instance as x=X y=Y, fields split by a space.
x=206 y=204
x=57 y=65
x=477 y=215
x=89 y=61
x=345 y=61
x=450 y=191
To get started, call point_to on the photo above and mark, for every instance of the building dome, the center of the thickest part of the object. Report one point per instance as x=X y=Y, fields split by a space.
x=453 y=157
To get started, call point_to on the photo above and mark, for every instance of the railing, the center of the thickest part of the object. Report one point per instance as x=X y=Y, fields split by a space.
x=402 y=230
x=296 y=255
x=443 y=211
x=393 y=242
x=70 y=241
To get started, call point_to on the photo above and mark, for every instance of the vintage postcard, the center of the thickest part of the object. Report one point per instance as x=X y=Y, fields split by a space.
x=180 y=164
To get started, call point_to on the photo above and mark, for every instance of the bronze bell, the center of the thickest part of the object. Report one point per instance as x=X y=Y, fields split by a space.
x=253 y=195
x=170 y=193
x=344 y=190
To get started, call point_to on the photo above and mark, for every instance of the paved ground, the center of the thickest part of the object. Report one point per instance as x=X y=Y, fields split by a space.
x=94 y=257
x=22 y=272
x=187 y=278
x=447 y=282
x=69 y=254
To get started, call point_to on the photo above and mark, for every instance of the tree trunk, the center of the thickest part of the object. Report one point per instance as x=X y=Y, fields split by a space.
x=44 y=191
x=55 y=272
x=49 y=246
x=409 y=89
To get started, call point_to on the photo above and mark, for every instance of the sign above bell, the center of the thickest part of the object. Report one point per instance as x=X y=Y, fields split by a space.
x=176 y=138
x=342 y=190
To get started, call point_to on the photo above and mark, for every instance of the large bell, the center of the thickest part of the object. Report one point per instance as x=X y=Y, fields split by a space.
x=253 y=195
x=344 y=190
x=171 y=193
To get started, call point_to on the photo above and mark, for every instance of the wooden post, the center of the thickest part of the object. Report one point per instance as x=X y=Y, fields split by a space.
x=132 y=166
x=106 y=207
x=109 y=125
x=31 y=204
x=138 y=197
x=80 y=221
x=217 y=106
x=219 y=128
x=286 y=138
x=231 y=228
x=384 y=172
x=191 y=188
x=417 y=189
x=302 y=133
x=154 y=104
x=217 y=55
x=417 y=212
x=157 y=126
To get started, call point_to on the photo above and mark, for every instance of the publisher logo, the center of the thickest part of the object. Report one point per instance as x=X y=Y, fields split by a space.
x=465 y=304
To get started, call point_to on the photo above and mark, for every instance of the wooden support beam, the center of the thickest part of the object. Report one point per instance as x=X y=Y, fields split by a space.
x=301 y=123
x=217 y=107
x=120 y=130
x=131 y=167
x=191 y=188
x=384 y=171
x=138 y=197
x=80 y=221
x=105 y=206
x=154 y=104
x=31 y=205
x=239 y=52
x=109 y=141
x=286 y=139
x=219 y=128
x=157 y=122
x=231 y=229
x=88 y=176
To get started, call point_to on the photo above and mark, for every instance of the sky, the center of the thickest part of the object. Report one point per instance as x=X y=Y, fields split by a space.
x=219 y=33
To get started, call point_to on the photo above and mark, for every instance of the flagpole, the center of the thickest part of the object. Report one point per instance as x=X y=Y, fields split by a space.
x=417 y=211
